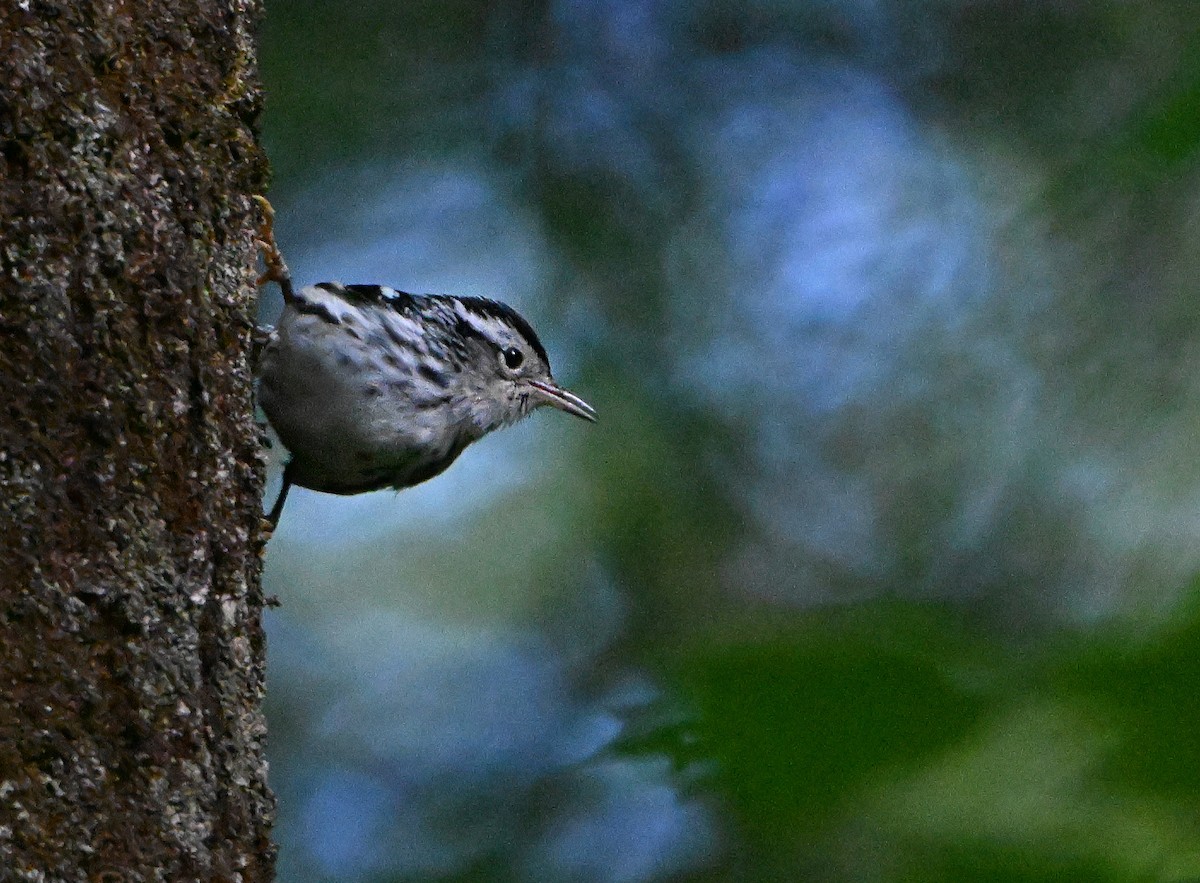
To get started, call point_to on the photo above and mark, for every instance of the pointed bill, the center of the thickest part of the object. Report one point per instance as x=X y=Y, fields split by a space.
x=557 y=397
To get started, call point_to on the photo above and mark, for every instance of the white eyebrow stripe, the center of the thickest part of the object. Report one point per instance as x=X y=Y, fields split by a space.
x=486 y=328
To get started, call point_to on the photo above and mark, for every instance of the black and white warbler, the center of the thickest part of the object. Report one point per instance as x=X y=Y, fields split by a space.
x=369 y=387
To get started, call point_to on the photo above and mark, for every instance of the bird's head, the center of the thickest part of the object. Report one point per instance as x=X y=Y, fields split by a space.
x=510 y=371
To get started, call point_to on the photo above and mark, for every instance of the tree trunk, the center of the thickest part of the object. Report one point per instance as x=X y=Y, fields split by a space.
x=131 y=643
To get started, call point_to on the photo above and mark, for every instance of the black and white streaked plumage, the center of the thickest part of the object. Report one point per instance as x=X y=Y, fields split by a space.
x=369 y=387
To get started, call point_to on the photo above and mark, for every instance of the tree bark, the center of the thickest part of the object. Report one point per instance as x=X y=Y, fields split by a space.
x=131 y=643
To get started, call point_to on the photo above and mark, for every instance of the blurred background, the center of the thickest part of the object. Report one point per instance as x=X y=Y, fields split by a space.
x=879 y=564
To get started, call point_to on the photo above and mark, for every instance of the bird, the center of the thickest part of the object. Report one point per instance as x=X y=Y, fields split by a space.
x=369 y=387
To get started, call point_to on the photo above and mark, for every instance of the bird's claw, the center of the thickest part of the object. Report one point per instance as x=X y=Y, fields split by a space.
x=275 y=270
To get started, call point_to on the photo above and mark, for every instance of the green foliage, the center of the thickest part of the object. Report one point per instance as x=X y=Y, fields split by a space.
x=954 y=757
x=1148 y=691
x=797 y=724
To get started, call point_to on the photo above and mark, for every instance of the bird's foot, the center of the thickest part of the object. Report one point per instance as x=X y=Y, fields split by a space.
x=275 y=269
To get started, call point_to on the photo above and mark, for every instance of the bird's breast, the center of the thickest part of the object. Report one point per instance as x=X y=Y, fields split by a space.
x=353 y=414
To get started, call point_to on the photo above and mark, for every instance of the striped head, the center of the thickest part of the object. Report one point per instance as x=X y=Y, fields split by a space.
x=505 y=369
x=477 y=359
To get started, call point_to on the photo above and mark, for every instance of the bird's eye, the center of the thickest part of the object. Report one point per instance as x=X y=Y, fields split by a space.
x=513 y=358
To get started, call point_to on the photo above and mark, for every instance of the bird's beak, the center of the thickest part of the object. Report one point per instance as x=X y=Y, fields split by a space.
x=557 y=397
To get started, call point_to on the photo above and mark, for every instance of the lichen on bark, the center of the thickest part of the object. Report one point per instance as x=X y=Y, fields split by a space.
x=131 y=643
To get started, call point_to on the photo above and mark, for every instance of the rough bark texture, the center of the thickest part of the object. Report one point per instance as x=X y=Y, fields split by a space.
x=131 y=645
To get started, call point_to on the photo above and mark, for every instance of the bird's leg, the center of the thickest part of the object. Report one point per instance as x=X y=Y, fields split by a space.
x=275 y=269
x=277 y=509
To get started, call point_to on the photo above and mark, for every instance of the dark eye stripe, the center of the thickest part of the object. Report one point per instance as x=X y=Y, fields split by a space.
x=466 y=330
